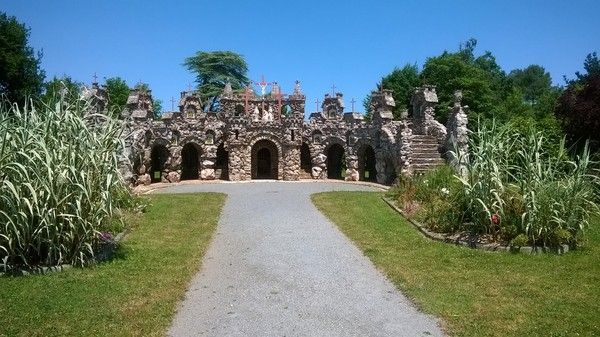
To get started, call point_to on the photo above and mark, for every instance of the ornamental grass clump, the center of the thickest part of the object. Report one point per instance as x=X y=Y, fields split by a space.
x=59 y=184
x=519 y=185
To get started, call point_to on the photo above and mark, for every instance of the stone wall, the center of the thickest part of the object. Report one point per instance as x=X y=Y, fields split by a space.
x=276 y=122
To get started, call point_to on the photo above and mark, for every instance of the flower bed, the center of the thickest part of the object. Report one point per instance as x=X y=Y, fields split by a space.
x=514 y=190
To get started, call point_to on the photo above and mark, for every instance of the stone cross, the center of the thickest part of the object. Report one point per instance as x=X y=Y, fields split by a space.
x=317 y=101
x=352 y=101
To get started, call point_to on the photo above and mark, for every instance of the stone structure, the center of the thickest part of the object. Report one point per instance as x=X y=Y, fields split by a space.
x=254 y=136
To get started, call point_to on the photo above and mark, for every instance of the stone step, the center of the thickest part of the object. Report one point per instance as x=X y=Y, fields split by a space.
x=419 y=156
x=424 y=142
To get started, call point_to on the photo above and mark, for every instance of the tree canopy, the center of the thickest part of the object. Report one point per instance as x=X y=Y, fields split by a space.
x=533 y=82
x=578 y=107
x=214 y=69
x=20 y=72
x=117 y=91
x=58 y=87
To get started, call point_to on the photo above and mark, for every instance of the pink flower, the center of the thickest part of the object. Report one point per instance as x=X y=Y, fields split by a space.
x=495 y=219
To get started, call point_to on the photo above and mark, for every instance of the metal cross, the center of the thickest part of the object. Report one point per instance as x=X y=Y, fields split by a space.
x=263 y=85
x=172 y=103
x=381 y=86
x=189 y=87
x=95 y=78
x=333 y=90
x=352 y=101
x=317 y=101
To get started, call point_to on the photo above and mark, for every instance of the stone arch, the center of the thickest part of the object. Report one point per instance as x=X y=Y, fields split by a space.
x=336 y=161
x=222 y=162
x=239 y=110
x=265 y=160
x=317 y=136
x=190 y=161
x=305 y=158
x=159 y=156
x=210 y=137
x=367 y=170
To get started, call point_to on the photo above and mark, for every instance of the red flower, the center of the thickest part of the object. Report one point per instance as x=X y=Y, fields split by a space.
x=495 y=219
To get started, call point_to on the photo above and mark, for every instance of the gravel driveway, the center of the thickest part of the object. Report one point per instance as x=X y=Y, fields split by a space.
x=278 y=267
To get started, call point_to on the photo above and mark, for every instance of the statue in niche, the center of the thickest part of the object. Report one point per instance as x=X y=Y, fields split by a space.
x=255 y=114
x=268 y=115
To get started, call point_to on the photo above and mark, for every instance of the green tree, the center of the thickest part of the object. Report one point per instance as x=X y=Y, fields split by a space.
x=481 y=80
x=58 y=87
x=402 y=82
x=534 y=81
x=578 y=107
x=20 y=72
x=157 y=107
x=117 y=91
x=213 y=70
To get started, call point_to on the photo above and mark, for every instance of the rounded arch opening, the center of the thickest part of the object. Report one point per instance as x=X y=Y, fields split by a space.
x=265 y=160
x=222 y=163
x=159 y=157
x=190 y=161
x=336 y=163
x=305 y=159
x=367 y=163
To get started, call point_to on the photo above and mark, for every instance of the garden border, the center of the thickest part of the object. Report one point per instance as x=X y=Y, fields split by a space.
x=472 y=244
x=104 y=254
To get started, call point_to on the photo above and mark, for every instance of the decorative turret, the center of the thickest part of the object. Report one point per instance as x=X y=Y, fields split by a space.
x=96 y=96
x=382 y=103
x=140 y=104
x=190 y=104
x=333 y=107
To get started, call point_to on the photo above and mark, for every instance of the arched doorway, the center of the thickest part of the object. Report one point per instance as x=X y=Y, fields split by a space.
x=305 y=161
x=222 y=163
x=159 y=156
x=366 y=163
x=335 y=162
x=265 y=160
x=190 y=158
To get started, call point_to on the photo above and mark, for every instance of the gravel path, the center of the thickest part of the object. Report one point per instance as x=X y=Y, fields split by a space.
x=278 y=267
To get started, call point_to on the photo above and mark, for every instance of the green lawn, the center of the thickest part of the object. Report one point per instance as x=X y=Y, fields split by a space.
x=476 y=293
x=136 y=293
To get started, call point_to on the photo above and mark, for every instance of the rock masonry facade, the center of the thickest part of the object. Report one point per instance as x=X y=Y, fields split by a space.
x=265 y=136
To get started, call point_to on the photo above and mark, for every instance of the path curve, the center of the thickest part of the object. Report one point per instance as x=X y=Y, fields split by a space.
x=278 y=267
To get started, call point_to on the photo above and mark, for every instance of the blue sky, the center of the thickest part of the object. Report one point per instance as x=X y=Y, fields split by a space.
x=349 y=44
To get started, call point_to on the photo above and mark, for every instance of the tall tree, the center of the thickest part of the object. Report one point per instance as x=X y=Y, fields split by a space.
x=213 y=70
x=61 y=87
x=534 y=81
x=459 y=71
x=578 y=107
x=117 y=91
x=402 y=82
x=20 y=72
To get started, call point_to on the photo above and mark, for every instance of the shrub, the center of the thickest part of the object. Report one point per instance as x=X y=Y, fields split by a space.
x=512 y=184
x=59 y=183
